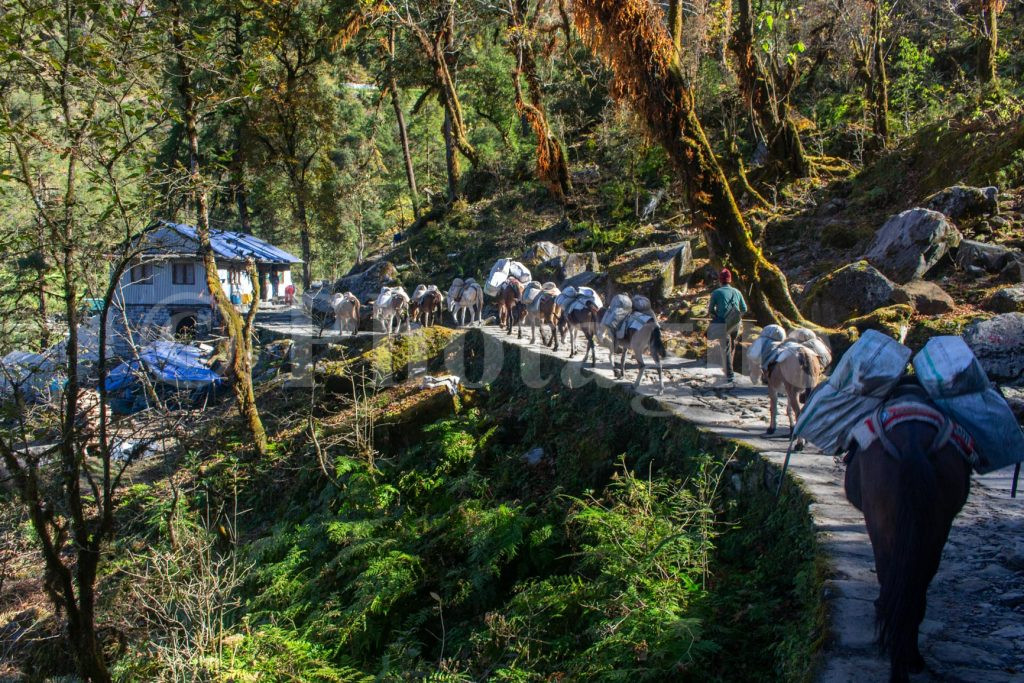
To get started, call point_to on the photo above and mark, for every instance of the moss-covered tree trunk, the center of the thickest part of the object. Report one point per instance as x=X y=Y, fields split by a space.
x=675 y=23
x=988 y=47
x=403 y=130
x=879 y=79
x=761 y=89
x=631 y=36
x=552 y=165
x=239 y=331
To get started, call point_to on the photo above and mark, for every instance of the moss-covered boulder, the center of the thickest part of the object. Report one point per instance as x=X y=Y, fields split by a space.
x=961 y=201
x=1007 y=300
x=851 y=291
x=999 y=345
x=652 y=271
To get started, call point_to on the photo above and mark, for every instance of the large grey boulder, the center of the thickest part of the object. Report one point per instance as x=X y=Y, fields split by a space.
x=586 y=279
x=961 y=201
x=652 y=271
x=990 y=258
x=1007 y=300
x=542 y=252
x=999 y=345
x=926 y=297
x=366 y=284
x=849 y=292
x=911 y=243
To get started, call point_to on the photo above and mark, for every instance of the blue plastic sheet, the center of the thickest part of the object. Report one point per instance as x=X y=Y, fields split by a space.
x=179 y=365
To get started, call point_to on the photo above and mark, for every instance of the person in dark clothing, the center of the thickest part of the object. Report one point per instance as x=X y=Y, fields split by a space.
x=727 y=307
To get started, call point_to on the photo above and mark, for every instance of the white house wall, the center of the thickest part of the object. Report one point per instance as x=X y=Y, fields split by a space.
x=163 y=290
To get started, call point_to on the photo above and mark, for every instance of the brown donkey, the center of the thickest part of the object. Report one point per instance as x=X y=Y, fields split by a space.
x=426 y=309
x=542 y=311
x=510 y=293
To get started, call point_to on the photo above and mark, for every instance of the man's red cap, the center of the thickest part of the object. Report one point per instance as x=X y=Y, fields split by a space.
x=725 y=275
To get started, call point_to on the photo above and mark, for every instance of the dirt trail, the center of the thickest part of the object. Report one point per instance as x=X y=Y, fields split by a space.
x=974 y=628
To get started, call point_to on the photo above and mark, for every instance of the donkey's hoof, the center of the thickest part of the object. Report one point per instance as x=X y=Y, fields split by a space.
x=799 y=444
x=770 y=431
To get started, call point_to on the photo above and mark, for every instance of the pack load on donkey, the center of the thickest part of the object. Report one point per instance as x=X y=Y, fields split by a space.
x=577 y=298
x=532 y=294
x=844 y=411
x=502 y=270
x=625 y=313
x=773 y=346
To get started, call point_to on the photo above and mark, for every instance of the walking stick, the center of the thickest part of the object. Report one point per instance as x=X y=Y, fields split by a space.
x=1016 y=476
x=785 y=463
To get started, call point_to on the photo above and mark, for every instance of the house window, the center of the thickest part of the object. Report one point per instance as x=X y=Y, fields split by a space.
x=183 y=273
x=142 y=274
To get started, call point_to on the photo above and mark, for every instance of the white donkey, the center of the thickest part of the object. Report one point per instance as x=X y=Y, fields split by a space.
x=466 y=296
x=391 y=306
x=346 y=311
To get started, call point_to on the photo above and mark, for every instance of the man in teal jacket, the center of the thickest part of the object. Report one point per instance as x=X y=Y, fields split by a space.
x=726 y=308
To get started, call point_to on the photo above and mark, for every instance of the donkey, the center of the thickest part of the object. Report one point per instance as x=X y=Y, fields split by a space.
x=466 y=296
x=645 y=339
x=540 y=312
x=910 y=482
x=797 y=371
x=427 y=306
x=391 y=307
x=509 y=294
x=585 y=320
x=346 y=311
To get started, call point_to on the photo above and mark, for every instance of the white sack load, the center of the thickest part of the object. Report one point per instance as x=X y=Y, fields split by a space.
x=618 y=310
x=385 y=297
x=548 y=289
x=531 y=293
x=865 y=376
x=808 y=338
x=641 y=303
x=502 y=269
x=418 y=293
x=635 y=321
x=956 y=382
x=566 y=298
x=770 y=335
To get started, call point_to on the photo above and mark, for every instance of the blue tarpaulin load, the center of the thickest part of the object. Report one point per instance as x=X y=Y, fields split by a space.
x=170 y=363
x=956 y=382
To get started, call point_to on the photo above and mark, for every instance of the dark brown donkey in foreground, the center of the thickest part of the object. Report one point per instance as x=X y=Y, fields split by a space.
x=910 y=483
x=426 y=309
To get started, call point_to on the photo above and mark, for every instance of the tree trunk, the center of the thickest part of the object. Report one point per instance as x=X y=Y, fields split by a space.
x=879 y=79
x=239 y=332
x=760 y=90
x=552 y=166
x=989 y=45
x=302 y=218
x=675 y=23
x=631 y=36
x=403 y=136
x=451 y=157
x=403 y=131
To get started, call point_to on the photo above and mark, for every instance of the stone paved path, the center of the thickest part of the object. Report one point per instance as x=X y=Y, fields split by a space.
x=974 y=629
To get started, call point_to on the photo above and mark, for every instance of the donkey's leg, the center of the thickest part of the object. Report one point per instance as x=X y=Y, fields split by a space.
x=773 y=402
x=661 y=381
x=641 y=368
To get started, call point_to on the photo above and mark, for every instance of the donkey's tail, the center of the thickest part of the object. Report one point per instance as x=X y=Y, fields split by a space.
x=657 y=346
x=917 y=545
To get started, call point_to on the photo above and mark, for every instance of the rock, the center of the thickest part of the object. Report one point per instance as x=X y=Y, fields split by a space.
x=853 y=290
x=586 y=279
x=991 y=258
x=652 y=271
x=926 y=297
x=1007 y=300
x=999 y=345
x=542 y=252
x=570 y=265
x=1013 y=271
x=961 y=201
x=911 y=243
x=366 y=284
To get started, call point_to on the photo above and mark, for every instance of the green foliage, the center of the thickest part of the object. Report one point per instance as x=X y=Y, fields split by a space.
x=913 y=90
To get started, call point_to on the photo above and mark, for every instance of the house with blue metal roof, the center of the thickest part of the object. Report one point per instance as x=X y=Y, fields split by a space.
x=165 y=289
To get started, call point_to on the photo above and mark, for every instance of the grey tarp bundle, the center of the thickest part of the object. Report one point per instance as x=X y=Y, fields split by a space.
x=501 y=271
x=865 y=376
x=959 y=387
x=573 y=298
